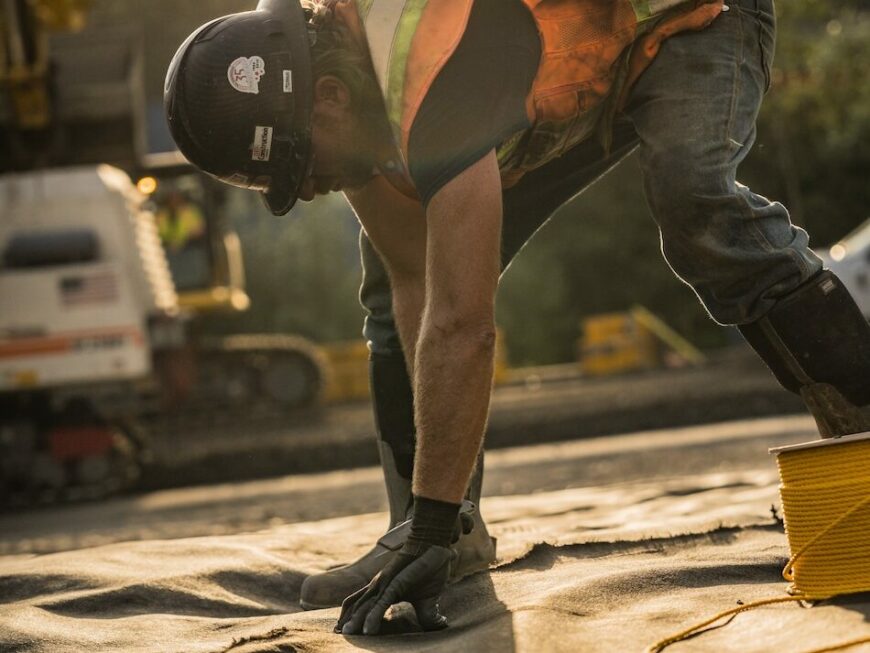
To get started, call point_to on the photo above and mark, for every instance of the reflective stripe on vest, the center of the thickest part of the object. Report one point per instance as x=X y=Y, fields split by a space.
x=382 y=25
x=404 y=65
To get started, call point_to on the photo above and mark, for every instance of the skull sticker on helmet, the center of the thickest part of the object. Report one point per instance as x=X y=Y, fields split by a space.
x=245 y=72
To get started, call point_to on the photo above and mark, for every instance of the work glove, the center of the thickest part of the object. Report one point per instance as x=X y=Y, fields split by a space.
x=418 y=574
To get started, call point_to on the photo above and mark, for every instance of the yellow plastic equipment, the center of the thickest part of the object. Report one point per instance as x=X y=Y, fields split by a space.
x=634 y=340
x=348 y=369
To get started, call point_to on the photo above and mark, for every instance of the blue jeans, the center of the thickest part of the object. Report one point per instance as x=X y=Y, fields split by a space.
x=692 y=115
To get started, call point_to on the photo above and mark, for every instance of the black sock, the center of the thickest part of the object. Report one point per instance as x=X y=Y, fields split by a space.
x=434 y=522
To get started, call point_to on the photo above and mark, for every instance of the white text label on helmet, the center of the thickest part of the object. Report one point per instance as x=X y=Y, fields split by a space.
x=245 y=72
x=288 y=81
x=261 y=150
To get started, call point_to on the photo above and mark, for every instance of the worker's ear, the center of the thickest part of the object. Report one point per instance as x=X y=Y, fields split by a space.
x=331 y=92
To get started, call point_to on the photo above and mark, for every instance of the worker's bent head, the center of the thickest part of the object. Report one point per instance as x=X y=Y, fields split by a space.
x=238 y=100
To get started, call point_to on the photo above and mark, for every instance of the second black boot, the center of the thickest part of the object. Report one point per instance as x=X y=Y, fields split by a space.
x=817 y=343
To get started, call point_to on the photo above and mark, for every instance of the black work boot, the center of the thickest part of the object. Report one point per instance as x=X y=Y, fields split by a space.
x=817 y=343
x=394 y=419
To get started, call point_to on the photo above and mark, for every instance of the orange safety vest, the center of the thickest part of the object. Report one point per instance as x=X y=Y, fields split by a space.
x=592 y=51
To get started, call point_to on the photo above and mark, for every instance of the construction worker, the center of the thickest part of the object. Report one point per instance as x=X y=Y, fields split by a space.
x=456 y=129
x=179 y=221
x=182 y=230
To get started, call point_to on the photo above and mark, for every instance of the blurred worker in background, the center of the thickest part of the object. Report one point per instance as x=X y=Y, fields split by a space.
x=179 y=221
x=456 y=129
x=182 y=229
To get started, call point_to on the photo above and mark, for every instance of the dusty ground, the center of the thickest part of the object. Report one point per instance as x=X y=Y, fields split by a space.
x=605 y=544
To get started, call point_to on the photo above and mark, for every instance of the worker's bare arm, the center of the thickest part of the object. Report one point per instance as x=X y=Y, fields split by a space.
x=452 y=383
x=456 y=344
x=443 y=266
x=396 y=226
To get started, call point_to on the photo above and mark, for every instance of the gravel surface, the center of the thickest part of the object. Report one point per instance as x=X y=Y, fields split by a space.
x=230 y=508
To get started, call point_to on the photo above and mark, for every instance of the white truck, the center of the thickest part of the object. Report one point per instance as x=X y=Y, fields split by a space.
x=97 y=289
x=84 y=283
x=95 y=295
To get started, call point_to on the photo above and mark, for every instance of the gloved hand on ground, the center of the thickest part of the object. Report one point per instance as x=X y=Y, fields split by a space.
x=418 y=574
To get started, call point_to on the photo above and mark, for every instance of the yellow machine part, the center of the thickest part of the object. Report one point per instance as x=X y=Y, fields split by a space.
x=635 y=340
x=215 y=299
x=348 y=369
x=615 y=342
x=24 y=71
x=62 y=15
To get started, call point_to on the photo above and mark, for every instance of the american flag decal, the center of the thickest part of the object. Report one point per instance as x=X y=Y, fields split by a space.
x=87 y=289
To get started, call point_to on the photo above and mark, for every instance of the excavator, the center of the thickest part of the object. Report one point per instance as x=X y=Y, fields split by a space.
x=67 y=97
x=109 y=257
x=24 y=60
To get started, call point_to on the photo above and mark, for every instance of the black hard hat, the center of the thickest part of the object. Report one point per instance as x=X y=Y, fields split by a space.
x=238 y=98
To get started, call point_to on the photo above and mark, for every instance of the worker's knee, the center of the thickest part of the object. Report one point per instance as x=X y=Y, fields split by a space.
x=736 y=249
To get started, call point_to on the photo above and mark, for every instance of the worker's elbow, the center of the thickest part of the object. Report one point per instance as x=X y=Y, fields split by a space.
x=467 y=331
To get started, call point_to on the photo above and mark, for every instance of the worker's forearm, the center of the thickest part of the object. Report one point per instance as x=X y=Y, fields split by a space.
x=453 y=382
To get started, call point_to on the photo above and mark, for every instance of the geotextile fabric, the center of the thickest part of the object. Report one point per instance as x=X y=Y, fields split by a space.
x=608 y=568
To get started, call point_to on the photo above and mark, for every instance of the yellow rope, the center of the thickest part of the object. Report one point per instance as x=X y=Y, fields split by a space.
x=824 y=491
x=841 y=647
x=697 y=628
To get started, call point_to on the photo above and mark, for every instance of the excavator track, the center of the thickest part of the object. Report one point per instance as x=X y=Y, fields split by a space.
x=247 y=380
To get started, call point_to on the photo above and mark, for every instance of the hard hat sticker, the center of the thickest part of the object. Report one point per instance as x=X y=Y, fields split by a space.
x=288 y=81
x=245 y=72
x=261 y=149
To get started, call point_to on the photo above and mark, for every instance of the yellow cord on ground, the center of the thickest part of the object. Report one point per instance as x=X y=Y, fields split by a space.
x=825 y=493
x=843 y=646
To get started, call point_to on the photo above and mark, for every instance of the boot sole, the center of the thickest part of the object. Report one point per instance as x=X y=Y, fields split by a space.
x=311 y=606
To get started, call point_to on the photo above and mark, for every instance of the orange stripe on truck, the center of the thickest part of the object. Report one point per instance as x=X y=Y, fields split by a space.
x=59 y=343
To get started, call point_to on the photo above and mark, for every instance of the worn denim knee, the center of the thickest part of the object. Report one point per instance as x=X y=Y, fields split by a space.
x=695 y=110
x=735 y=248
